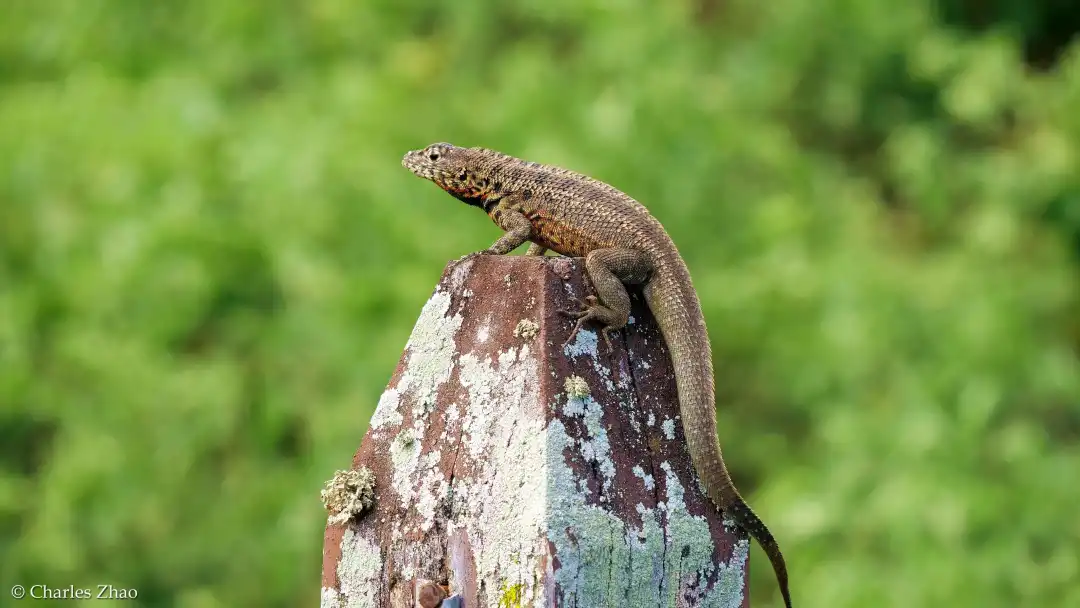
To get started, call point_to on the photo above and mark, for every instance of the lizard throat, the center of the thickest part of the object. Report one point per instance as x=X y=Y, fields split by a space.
x=476 y=199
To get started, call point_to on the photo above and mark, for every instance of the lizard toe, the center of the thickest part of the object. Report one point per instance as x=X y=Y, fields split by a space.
x=605 y=334
x=573 y=314
x=582 y=309
x=585 y=318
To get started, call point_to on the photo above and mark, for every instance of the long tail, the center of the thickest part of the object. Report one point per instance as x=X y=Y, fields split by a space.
x=678 y=313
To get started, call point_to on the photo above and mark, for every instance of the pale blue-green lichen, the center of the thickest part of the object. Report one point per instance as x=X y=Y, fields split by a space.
x=730 y=587
x=405 y=455
x=586 y=538
x=433 y=490
x=358 y=572
x=639 y=472
x=670 y=550
x=595 y=446
x=681 y=524
x=387 y=412
x=330 y=598
x=501 y=505
x=488 y=388
x=431 y=353
x=587 y=344
x=574 y=406
x=669 y=429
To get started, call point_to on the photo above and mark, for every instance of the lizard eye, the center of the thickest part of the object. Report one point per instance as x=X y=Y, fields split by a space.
x=433 y=155
x=461 y=176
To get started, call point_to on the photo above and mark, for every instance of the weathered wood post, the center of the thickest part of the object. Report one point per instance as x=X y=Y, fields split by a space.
x=511 y=471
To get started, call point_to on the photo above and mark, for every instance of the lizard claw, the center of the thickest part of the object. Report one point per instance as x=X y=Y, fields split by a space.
x=469 y=256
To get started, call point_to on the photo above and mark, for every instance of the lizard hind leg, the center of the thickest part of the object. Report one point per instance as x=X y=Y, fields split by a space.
x=609 y=270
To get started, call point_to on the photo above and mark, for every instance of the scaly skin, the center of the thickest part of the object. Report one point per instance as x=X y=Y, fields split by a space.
x=622 y=244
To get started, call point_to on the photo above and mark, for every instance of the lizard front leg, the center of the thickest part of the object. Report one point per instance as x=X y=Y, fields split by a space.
x=609 y=270
x=535 y=249
x=518 y=228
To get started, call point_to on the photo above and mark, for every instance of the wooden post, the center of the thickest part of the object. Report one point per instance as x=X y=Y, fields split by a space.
x=512 y=471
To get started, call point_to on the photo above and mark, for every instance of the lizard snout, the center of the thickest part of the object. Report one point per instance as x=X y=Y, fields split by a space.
x=415 y=162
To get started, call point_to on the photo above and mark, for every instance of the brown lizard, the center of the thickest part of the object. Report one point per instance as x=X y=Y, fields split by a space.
x=623 y=244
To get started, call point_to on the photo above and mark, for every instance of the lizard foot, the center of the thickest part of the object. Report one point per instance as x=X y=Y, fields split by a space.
x=589 y=310
x=469 y=256
x=583 y=307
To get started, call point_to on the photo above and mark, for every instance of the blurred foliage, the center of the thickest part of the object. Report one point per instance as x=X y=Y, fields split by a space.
x=210 y=260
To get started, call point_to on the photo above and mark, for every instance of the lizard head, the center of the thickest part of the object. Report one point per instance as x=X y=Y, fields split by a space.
x=452 y=168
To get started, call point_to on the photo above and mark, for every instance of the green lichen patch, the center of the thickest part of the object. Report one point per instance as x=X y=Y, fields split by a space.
x=576 y=387
x=348 y=493
x=526 y=329
x=511 y=596
x=730 y=586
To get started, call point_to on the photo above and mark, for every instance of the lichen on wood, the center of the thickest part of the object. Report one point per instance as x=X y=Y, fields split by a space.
x=348 y=494
x=519 y=472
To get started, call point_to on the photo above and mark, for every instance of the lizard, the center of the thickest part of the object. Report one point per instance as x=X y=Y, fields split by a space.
x=623 y=244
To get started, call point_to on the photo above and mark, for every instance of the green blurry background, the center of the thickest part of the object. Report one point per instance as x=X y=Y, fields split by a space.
x=211 y=259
